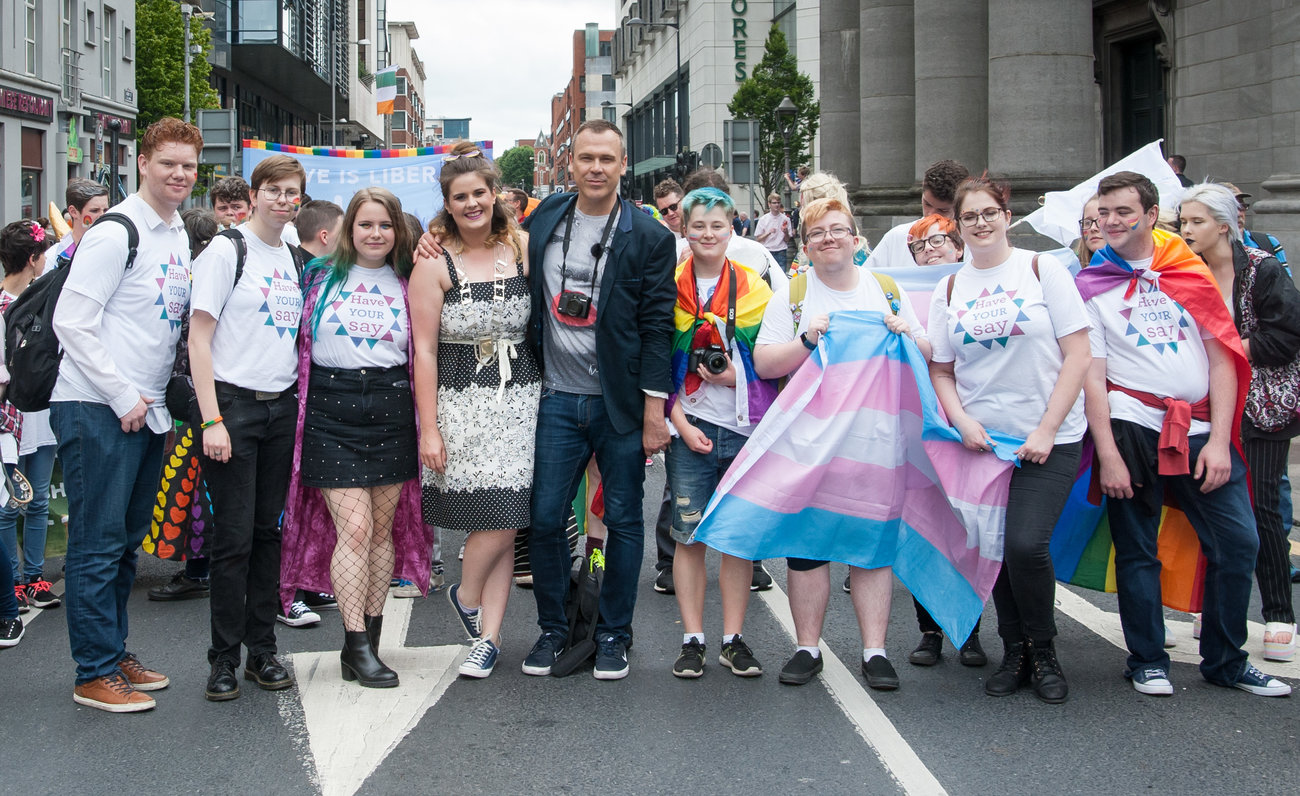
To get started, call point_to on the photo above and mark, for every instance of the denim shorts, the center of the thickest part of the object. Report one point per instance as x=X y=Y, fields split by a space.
x=693 y=476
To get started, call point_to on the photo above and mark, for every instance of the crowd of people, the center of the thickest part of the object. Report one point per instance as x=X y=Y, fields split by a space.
x=351 y=380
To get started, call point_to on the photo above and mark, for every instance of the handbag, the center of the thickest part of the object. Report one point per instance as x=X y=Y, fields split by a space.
x=1273 y=400
x=20 y=489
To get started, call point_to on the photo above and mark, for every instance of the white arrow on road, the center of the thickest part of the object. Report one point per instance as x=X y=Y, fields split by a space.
x=352 y=729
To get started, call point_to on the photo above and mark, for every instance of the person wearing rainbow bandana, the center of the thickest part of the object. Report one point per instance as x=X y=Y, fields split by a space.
x=1164 y=399
x=717 y=400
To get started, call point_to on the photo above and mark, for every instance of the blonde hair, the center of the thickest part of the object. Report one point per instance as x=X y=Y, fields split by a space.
x=822 y=185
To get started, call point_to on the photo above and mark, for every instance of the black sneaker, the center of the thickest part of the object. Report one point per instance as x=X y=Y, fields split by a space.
x=40 y=596
x=542 y=657
x=800 y=669
x=929 y=651
x=319 y=601
x=690 y=662
x=11 y=632
x=762 y=579
x=611 y=658
x=664 y=581
x=847 y=588
x=20 y=594
x=737 y=657
x=880 y=673
x=179 y=587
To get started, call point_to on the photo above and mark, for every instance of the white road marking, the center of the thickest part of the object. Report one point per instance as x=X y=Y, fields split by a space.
x=56 y=588
x=352 y=729
x=900 y=761
x=1106 y=624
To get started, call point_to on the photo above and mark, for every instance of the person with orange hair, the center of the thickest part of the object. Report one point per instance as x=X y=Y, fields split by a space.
x=934 y=240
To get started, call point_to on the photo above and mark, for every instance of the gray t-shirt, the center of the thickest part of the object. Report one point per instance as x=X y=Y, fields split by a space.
x=570 y=342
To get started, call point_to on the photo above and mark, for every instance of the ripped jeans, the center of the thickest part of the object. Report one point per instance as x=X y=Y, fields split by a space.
x=693 y=476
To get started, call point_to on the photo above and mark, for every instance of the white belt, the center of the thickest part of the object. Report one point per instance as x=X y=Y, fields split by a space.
x=487 y=349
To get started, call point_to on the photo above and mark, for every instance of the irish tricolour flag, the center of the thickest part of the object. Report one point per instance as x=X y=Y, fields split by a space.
x=386 y=89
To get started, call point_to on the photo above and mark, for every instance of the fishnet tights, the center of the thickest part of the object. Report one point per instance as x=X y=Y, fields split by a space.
x=363 y=558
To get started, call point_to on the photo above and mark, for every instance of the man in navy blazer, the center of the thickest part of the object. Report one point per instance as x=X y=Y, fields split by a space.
x=603 y=295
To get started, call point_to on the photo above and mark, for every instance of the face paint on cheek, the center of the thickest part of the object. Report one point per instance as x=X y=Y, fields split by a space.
x=1136 y=223
x=87 y=220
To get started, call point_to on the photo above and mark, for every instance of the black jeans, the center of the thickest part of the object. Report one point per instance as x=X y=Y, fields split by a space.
x=1025 y=591
x=1267 y=459
x=248 y=494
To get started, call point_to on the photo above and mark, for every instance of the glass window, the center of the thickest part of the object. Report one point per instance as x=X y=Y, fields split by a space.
x=65 y=24
x=401 y=86
x=128 y=44
x=29 y=41
x=108 y=54
x=606 y=82
x=30 y=193
x=604 y=48
x=399 y=120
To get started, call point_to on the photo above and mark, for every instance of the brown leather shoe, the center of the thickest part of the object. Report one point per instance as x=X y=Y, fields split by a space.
x=112 y=693
x=141 y=678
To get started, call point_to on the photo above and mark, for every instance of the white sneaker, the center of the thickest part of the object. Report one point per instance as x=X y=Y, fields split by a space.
x=1260 y=684
x=1153 y=681
x=1196 y=625
x=1171 y=638
x=405 y=588
x=299 y=615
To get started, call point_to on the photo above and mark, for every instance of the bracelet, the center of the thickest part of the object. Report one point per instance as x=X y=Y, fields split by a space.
x=808 y=344
x=206 y=424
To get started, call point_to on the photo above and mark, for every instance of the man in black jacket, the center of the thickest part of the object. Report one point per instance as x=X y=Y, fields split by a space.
x=603 y=294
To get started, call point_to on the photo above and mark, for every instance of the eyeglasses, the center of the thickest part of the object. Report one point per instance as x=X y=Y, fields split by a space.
x=935 y=241
x=834 y=233
x=1088 y=223
x=989 y=214
x=274 y=193
x=672 y=208
x=473 y=153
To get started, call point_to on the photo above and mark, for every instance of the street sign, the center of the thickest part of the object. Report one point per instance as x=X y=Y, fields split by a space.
x=711 y=156
x=218 y=128
x=740 y=137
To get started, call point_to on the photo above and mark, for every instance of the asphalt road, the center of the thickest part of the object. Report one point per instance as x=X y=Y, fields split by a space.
x=650 y=733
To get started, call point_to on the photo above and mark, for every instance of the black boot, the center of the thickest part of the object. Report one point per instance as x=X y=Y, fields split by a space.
x=1046 y=675
x=1013 y=672
x=374 y=625
x=971 y=653
x=360 y=662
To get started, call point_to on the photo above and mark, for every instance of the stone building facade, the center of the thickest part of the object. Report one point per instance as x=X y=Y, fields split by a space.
x=1044 y=92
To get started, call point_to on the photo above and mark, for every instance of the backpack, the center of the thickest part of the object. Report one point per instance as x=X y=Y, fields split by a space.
x=799 y=289
x=32 y=350
x=180 y=399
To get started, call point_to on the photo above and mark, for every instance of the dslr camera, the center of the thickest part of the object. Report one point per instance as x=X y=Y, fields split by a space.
x=574 y=304
x=712 y=356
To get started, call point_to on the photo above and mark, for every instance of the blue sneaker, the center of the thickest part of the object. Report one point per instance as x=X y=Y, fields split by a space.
x=1260 y=684
x=611 y=657
x=1153 y=681
x=471 y=621
x=548 y=647
x=482 y=658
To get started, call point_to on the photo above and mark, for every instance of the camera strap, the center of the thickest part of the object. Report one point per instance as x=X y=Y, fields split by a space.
x=731 y=304
x=597 y=250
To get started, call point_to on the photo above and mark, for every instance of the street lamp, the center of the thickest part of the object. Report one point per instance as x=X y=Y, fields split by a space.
x=631 y=134
x=334 y=95
x=786 y=113
x=677 y=76
x=188 y=11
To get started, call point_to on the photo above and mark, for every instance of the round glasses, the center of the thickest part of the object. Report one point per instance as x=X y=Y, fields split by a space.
x=989 y=214
x=274 y=193
x=934 y=241
x=834 y=233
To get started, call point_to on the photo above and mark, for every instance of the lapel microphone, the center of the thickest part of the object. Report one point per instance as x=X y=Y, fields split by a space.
x=596 y=251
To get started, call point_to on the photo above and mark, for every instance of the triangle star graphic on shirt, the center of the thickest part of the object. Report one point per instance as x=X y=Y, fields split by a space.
x=1143 y=340
x=1015 y=329
x=174 y=323
x=292 y=331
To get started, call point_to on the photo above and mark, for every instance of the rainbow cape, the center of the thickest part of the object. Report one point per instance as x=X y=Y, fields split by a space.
x=703 y=325
x=856 y=463
x=1081 y=543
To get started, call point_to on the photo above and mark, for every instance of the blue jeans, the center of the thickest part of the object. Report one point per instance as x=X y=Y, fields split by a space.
x=8 y=601
x=570 y=428
x=38 y=466
x=694 y=476
x=112 y=480
x=1225 y=524
x=782 y=258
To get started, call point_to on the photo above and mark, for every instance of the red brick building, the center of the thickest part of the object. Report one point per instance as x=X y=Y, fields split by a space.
x=591 y=83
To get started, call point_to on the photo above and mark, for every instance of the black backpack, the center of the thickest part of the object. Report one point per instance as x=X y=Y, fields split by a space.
x=32 y=351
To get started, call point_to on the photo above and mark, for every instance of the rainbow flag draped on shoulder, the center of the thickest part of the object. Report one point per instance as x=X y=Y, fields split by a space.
x=699 y=326
x=856 y=463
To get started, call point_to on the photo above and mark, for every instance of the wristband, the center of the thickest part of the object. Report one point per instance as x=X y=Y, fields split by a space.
x=206 y=424
x=808 y=344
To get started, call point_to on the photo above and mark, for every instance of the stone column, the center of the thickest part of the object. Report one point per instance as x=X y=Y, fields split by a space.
x=887 y=115
x=840 y=131
x=1278 y=211
x=951 y=62
x=1041 y=126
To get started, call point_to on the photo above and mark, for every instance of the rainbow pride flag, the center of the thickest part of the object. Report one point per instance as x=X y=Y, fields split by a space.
x=697 y=326
x=855 y=463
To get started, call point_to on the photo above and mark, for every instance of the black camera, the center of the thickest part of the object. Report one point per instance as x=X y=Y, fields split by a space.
x=713 y=357
x=574 y=304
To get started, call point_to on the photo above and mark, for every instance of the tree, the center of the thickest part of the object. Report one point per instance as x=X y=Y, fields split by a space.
x=777 y=75
x=516 y=165
x=160 y=68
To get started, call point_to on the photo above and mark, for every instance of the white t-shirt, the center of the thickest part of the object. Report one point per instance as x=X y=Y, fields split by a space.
x=715 y=402
x=773 y=231
x=365 y=325
x=142 y=307
x=780 y=325
x=749 y=253
x=255 y=343
x=892 y=251
x=290 y=235
x=1150 y=343
x=1001 y=333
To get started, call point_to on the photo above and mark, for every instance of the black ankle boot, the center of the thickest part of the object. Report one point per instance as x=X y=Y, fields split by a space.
x=374 y=625
x=360 y=663
x=1013 y=672
x=1046 y=676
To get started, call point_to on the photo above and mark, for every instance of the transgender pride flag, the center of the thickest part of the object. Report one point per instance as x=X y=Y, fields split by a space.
x=856 y=463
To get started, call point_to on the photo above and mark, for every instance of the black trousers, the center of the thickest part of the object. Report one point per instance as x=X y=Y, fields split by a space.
x=1025 y=591
x=1267 y=459
x=248 y=495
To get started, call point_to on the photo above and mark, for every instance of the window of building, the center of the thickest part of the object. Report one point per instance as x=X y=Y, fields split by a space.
x=33 y=163
x=399 y=120
x=606 y=82
x=91 y=37
x=783 y=17
x=608 y=114
x=582 y=83
x=401 y=86
x=29 y=40
x=605 y=48
x=108 y=53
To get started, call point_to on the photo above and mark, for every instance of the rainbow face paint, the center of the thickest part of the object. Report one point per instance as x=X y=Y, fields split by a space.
x=1136 y=223
x=87 y=220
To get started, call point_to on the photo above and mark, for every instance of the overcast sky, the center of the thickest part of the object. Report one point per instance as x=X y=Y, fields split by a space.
x=502 y=62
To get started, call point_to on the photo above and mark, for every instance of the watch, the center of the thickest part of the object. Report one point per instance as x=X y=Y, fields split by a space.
x=808 y=344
